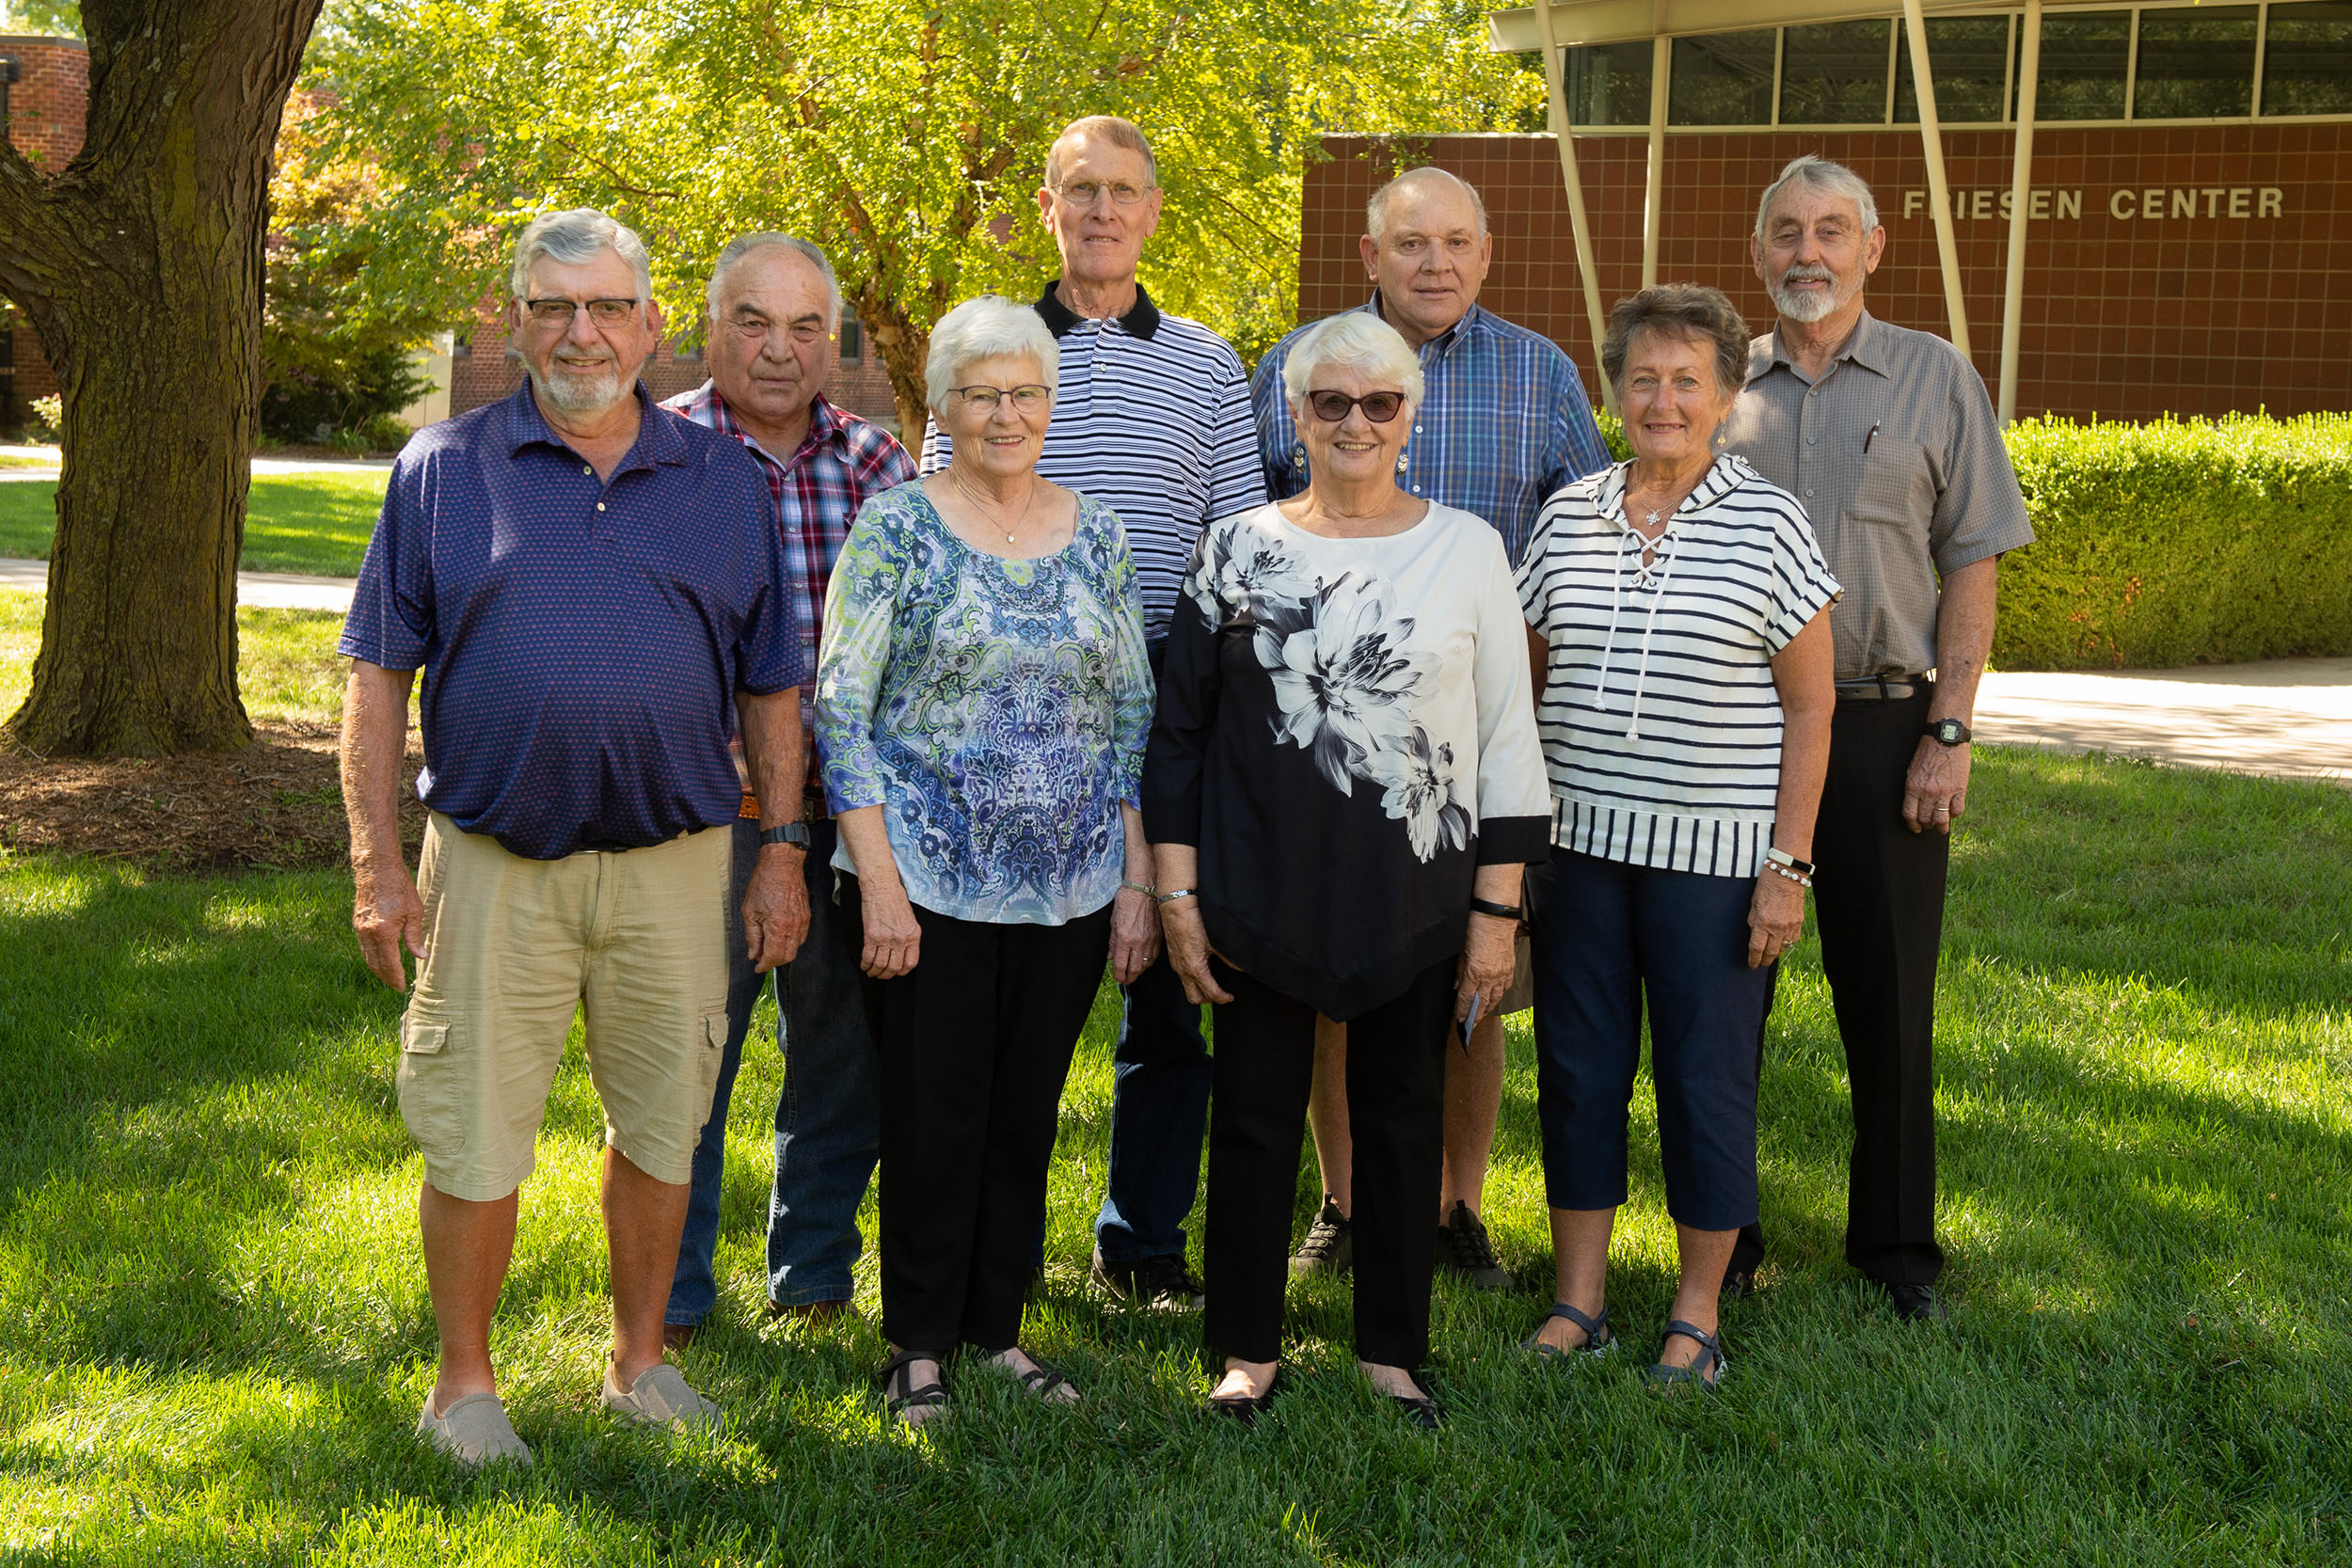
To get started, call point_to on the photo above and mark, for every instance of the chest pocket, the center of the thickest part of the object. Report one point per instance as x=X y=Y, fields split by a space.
x=1898 y=488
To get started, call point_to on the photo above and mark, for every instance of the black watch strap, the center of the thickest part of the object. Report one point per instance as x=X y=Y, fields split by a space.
x=794 y=833
x=1949 y=732
x=1500 y=911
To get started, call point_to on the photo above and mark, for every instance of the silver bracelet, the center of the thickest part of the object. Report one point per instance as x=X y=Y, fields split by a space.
x=1173 y=893
x=1144 y=888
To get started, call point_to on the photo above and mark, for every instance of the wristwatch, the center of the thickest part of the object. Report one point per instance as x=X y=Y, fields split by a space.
x=1949 y=732
x=794 y=833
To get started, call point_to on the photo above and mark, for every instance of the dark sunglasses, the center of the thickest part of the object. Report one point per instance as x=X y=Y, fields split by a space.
x=1380 y=407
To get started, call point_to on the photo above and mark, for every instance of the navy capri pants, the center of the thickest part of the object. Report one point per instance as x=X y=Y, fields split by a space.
x=1609 y=936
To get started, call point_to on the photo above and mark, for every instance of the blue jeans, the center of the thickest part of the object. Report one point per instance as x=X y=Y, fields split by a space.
x=828 y=1119
x=1159 y=1115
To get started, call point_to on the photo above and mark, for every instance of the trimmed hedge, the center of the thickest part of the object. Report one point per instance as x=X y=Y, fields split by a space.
x=2181 y=542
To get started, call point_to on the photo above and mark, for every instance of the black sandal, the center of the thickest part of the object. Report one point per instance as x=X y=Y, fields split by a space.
x=1419 y=1410
x=1710 y=1359
x=1597 y=1339
x=931 y=1396
x=1245 y=1409
x=1041 y=1380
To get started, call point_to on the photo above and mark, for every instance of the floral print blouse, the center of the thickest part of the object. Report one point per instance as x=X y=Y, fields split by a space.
x=996 y=709
x=1346 y=731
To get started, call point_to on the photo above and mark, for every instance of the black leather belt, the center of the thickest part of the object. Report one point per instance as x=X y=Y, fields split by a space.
x=1884 y=689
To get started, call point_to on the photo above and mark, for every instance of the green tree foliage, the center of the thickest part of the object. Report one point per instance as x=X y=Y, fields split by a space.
x=908 y=138
x=56 y=18
x=334 y=356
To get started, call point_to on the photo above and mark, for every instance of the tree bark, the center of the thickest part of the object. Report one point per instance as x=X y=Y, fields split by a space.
x=140 y=266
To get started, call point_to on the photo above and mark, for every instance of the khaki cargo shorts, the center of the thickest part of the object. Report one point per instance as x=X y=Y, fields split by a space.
x=636 y=940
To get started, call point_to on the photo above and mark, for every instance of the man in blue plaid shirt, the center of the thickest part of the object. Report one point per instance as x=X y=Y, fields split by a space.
x=1505 y=422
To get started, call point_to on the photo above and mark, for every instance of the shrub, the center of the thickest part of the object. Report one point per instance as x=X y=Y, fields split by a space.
x=48 y=417
x=2181 y=542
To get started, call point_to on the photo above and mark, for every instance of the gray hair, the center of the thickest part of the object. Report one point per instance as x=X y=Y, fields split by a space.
x=988 y=327
x=1685 y=311
x=743 y=245
x=1109 y=129
x=1356 y=341
x=574 y=237
x=1376 y=210
x=1829 y=178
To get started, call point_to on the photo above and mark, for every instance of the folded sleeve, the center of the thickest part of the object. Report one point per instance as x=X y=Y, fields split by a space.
x=390 y=624
x=1514 y=796
x=1801 y=585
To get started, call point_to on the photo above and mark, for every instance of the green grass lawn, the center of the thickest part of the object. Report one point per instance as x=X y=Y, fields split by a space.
x=215 y=1333
x=287 y=671
x=316 y=523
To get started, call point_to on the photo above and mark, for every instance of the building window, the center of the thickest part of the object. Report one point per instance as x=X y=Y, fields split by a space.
x=1970 y=57
x=1722 y=79
x=1835 y=74
x=1608 y=83
x=2307 y=62
x=2086 y=56
x=2195 y=64
x=852 y=340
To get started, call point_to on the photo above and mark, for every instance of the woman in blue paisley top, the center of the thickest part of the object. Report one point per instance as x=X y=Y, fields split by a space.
x=982 y=702
x=1342 y=788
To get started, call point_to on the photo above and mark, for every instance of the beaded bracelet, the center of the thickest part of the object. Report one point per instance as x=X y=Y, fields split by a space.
x=1778 y=869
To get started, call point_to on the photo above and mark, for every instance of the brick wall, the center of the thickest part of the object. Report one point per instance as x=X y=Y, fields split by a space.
x=2245 y=304
x=485 y=374
x=45 y=112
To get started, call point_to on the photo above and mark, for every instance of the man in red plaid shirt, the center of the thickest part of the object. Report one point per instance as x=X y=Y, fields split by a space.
x=775 y=308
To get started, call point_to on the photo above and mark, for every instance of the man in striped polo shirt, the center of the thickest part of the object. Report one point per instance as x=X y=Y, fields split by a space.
x=1886 y=436
x=775 y=308
x=1152 y=417
x=1504 y=423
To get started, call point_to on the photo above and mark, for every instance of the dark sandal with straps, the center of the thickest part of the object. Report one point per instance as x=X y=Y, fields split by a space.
x=933 y=1395
x=1597 y=1339
x=1710 y=1359
x=1041 y=1380
x=1419 y=1410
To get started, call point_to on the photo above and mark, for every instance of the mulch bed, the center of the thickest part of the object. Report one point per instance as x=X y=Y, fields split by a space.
x=275 y=805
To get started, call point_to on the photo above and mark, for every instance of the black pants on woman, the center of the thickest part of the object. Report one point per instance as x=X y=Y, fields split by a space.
x=974 y=1044
x=1264 y=1058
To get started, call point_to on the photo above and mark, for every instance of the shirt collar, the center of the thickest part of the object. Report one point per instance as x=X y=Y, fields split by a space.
x=825 y=427
x=1474 y=323
x=1864 y=346
x=1141 y=321
x=1722 y=476
x=658 y=438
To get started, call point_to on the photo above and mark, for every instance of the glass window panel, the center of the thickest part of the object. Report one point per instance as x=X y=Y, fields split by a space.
x=1722 y=79
x=1970 y=55
x=852 y=340
x=2195 y=62
x=2084 y=56
x=1835 y=74
x=2307 y=64
x=1608 y=83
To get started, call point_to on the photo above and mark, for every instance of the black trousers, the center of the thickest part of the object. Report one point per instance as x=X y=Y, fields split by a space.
x=1264 y=1059
x=1878 y=895
x=975 y=1043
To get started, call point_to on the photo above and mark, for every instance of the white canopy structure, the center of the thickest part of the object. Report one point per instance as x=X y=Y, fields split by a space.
x=1567 y=22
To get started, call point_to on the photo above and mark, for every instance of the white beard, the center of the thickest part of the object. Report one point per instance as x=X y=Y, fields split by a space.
x=580 y=394
x=1808 y=306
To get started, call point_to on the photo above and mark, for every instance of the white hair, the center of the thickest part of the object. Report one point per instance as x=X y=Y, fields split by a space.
x=745 y=245
x=1376 y=210
x=1821 y=175
x=1360 y=342
x=989 y=327
x=574 y=237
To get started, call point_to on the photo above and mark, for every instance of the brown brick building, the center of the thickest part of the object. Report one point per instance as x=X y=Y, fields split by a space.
x=44 y=83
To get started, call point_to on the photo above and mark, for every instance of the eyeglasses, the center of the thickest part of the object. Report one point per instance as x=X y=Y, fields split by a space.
x=1380 y=407
x=1025 y=400
x=1081 y=192
x=559 y=312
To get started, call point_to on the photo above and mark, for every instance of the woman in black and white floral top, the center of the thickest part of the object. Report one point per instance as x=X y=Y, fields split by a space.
x=1342 y=786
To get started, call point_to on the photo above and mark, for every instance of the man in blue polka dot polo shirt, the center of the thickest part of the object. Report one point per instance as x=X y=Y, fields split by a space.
x=595 y=592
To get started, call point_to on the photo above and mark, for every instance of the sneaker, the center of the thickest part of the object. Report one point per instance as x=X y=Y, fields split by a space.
x=1463 y=1248
x=1330 y=1244
x=1162 y=1282
x=659 y=1397
x=474 y=1430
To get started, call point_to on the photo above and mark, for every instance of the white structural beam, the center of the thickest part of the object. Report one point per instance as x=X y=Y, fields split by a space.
x=1654 y=189
x=2020 y=189
x=1555 y=91
x=1575 y=22
x=1939 y=191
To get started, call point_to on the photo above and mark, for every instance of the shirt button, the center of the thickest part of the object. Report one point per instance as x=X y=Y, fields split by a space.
x=1813 y=392
x=586 y=469
x=1808 y=441
x=600 y=504
x=1808 y=495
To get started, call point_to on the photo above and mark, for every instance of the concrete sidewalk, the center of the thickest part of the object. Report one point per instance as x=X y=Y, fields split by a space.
x=260 y=464
x=266 y=590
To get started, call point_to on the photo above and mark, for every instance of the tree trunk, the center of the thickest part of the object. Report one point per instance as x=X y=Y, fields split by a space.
x=902 y=348
x=140 y=266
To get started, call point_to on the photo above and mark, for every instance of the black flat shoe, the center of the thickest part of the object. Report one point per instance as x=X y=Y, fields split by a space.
x=1419 y=1410
x=1244 y=1408
x=1916 y=1303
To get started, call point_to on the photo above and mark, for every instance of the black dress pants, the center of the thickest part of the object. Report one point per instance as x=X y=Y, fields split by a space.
x=975 y=1043
x=1264 y=1058
x=1878 y=895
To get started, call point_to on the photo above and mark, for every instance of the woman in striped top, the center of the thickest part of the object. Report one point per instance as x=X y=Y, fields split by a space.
x=1677 y=606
